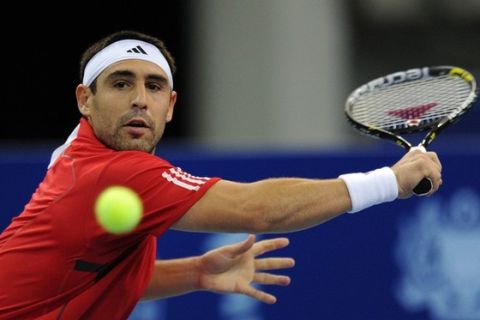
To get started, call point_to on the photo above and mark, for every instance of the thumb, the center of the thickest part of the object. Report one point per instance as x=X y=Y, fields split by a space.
x=241 y=247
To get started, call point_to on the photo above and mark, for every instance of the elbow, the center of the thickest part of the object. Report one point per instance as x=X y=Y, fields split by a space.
x=258 y=209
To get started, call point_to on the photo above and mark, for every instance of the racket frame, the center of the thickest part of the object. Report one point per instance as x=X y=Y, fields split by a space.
x=406 y=76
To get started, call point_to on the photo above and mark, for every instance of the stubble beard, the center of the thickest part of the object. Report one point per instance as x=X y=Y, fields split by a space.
x=121 y=140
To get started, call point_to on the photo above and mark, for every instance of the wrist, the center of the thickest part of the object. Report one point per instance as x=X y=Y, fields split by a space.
x=371 y=188
x=197 y=274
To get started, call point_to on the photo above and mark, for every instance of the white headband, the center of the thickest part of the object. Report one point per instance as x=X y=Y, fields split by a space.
x=124 y=50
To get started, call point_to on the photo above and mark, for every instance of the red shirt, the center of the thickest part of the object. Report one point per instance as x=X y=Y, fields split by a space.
x=54 y=257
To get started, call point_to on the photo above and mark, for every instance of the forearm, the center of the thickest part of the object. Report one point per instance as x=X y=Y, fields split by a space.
x=271 y=205
x=295 y=204
x=173 y=278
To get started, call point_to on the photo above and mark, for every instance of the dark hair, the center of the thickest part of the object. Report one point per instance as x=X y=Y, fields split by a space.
x=120 y=35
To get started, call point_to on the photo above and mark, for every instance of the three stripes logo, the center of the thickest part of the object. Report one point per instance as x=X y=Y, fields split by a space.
x=137 y=49
x=184 y=179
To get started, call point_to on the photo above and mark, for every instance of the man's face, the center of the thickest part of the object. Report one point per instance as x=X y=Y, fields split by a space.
x=131 y=106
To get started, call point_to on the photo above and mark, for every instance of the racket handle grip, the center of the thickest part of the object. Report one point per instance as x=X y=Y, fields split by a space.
x=423 y=187
x=426 y=184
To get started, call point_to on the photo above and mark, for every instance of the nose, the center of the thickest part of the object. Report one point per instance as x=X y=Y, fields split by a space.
x=139 y=99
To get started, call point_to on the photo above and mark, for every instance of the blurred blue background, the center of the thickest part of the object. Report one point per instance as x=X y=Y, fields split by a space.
x=261 y=89
x=410 y=259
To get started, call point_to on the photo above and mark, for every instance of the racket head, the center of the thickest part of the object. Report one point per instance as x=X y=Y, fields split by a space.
x=411 y=101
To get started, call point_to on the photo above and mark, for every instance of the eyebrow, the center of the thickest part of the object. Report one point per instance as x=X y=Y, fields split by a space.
x=130 y=74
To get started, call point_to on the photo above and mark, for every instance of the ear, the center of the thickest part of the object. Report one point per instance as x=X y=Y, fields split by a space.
x=173 y=100
x=83 y=93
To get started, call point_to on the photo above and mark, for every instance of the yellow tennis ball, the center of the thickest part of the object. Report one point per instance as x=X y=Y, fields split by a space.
x=118 y=209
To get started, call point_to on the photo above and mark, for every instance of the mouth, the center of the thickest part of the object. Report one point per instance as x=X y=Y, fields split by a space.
x=137 y=123
x=137 y=127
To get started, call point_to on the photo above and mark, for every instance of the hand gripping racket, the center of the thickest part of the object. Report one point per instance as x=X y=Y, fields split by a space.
x=412 y=101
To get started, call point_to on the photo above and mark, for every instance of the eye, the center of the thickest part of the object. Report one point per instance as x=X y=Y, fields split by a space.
x=120 y=84
x=155 y=86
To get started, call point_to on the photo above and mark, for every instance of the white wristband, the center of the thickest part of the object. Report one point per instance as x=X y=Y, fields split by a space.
x=368 y=189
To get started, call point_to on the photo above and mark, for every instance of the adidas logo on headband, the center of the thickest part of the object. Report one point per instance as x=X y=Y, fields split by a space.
x=137 y=49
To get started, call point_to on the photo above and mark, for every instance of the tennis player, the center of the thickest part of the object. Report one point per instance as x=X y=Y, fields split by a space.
x=57 y=263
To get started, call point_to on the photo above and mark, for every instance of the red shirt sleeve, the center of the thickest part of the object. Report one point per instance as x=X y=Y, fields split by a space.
x=167 y=191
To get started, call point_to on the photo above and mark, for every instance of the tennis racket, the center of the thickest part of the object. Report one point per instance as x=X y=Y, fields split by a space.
x=412 y=101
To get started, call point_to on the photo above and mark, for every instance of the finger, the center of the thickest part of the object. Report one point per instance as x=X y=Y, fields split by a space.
x=419 y=154
x=437 y=182
x=274 y=263
x=429 y=165
x=434 y=172
x=264 y=246
x=431 y=160
x=258 y=294
x=434 y=157
x=269 y=278
x=239 y=248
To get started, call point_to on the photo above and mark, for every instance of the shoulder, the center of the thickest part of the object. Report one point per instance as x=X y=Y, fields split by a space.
x=135 y=162
x=137 y=157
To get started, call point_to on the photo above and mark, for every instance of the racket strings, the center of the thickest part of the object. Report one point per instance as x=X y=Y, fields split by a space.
x=411 y=104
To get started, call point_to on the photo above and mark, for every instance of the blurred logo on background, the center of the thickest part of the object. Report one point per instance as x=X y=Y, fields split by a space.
x=438 y=255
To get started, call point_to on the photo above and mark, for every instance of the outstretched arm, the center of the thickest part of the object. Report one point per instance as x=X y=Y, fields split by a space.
x=228 y=269
x=291 y=204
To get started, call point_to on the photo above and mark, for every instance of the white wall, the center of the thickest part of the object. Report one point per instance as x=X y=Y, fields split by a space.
x=269 y=72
